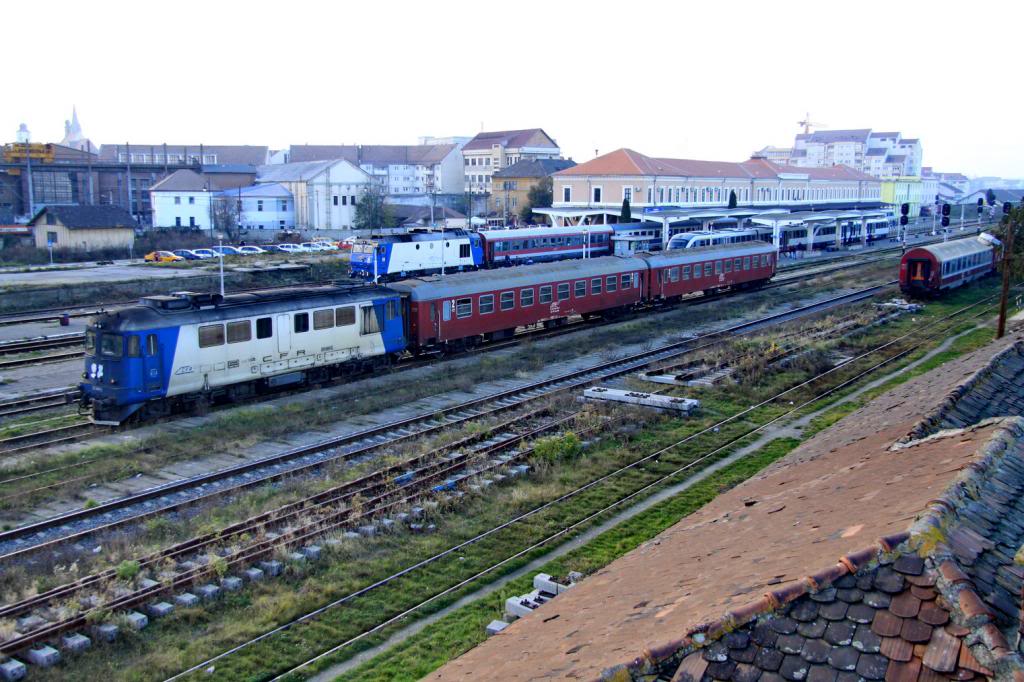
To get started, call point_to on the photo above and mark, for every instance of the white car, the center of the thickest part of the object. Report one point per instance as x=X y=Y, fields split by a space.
x=313 y=247
x=290 y=248
x=250 y=250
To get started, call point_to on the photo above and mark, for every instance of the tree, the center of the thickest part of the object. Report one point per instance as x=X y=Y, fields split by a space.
x=732 y=198
x=372 y=212
x=1010 y=232
x=539 y=196
x=625 y=215
x=225 y=217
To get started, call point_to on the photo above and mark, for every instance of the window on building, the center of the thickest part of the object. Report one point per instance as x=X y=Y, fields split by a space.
x=344 y=200
x=192 y=200
x=284 y=204
x=239 y=331
x=335 y=199
x=566 y=194
x=177 y=221
x=627 y=194
x=177 y=201
x=259 y=204
x=191 y=221
x=508 y=300
x=264 y=327
x=352 y=199
x=525 y=298
x=597 y=195
x=51 y=237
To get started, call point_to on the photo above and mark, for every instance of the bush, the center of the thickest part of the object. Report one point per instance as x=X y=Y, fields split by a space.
x=127 y=570
x=558 y=448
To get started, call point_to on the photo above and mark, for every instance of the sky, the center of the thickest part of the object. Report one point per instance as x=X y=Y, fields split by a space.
x=707 y=79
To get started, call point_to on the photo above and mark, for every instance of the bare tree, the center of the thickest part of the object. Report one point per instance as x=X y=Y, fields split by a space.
x=226 y=212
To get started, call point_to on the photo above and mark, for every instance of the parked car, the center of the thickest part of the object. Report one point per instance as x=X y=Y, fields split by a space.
x=289 y=248
x=187 y=254
x=161 y=257
x=225 y=250
x=346 y=243
x=250 y=250
x=314 y=247
x=205 y=253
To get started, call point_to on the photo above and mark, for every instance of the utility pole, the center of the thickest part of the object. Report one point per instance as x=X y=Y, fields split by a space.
x=1011 y=227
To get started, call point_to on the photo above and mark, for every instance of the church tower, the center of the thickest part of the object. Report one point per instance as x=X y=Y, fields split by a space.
x=73 y=136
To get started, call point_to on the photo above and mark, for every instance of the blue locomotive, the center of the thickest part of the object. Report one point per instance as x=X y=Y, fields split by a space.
x=187 y=350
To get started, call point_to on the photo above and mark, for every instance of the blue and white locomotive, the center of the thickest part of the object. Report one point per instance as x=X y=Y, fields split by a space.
x=417 y=252
x=188 y=350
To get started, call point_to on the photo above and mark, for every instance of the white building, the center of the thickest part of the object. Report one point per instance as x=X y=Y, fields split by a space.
x=488 y=153
x=325 y=193
x=182 y=199
x=881 y=154
x=265 y=206
x=405 y=172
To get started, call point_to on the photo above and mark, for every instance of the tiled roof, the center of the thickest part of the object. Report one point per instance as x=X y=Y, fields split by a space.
x=271 y=190
x=630 y=162
x=292 y=172
x=376 y=154
x=88 y=217
x=247 y=154
x=529 y=137
x=937 y=596
x=183 y=180
x=534 y=168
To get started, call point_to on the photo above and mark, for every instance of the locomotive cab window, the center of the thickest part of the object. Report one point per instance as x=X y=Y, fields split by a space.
x=264 y=327
x=323 y=319
x=369 y=320
x=239 y=331
x=463 y=307
x=390 y=310
x=343 y=317
x=151 y=345
x=486 y=304
x=134 y=346
x=90 y=340
x=525 y=298
x=300 y=323
x=563 y=291
x=211 y=335
x=463 y=250
x=508 y=300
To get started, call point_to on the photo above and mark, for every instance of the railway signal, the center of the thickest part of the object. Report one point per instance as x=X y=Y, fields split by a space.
x=981 y=206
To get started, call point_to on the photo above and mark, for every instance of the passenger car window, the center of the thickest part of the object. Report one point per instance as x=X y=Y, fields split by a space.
x=134 y=346
x=323 y=319
x=611 y=283
x=545 y=294
x=580 y=287
x=239 y=331
x=211 y=335
x=369 y=318
x=463 y=307
x=595 y=285
x=508 y=300
x=343 y=317
x=526 y=298
x=486 y=304
x=626 y=279
x=300 y=323
x=563 y=291
x=264 y=327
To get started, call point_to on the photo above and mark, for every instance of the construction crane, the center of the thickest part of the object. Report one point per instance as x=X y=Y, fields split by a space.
x=807 y=123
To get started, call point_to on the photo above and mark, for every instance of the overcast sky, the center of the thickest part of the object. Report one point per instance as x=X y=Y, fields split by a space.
x=702 y=79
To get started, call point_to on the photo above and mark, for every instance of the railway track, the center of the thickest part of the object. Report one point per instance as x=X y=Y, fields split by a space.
x=75 y=526
x=657 y=480
x=44 y=400
x=48 y=437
